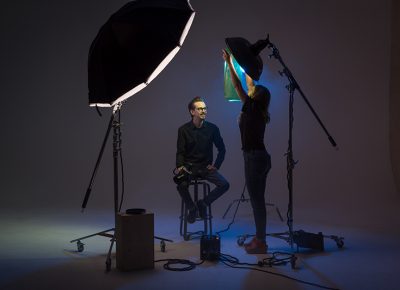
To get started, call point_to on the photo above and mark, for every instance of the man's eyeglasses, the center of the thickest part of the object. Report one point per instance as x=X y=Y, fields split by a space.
x=201 y=109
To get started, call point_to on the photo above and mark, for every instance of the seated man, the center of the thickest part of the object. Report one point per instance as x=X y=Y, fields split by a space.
x=195 y=154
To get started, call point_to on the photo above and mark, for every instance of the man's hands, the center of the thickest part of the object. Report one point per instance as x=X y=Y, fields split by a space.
x=179 y=170
x=211 y=168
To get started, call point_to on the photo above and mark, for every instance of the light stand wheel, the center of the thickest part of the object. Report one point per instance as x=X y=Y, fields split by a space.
x=108 y=264
x=339 y=241
x=80 y=246
x=162 y=246
x=241 y=239
x=293 y=260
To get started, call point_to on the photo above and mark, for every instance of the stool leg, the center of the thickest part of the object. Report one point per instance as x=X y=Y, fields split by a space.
x=184 y=221
x=182 y=217
x=210 y=219
x=196 y=192
x=186 y=235
x=206 y=217
x=207 y=230
x=209 y=216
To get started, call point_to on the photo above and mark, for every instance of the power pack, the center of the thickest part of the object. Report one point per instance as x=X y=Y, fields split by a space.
x=210 y=247
x=309 y=240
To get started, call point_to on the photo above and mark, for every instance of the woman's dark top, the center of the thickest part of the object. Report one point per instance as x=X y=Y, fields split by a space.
x=253 y=119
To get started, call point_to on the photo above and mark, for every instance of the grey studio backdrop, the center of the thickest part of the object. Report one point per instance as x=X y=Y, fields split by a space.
x=339 y=52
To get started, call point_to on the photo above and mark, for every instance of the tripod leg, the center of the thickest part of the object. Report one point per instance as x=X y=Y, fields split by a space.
x=108 y=260
x=229 y=207
x=89 y=189
x=241 y=199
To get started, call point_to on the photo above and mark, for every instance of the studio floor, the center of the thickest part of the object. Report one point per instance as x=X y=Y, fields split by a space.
x=36 y=253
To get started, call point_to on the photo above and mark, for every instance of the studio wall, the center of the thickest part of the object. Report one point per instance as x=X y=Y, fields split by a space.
x=338 y=55
x=395 y=93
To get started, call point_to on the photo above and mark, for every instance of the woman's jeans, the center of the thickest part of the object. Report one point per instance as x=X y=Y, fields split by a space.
x=257 y=164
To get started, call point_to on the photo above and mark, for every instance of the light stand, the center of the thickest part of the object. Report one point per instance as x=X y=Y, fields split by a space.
x=248 y=55
x=134 y=45
x=301 y=238
x=114 y=123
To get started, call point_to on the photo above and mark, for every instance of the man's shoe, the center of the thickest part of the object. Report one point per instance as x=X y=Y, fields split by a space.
x=256 y=246
x=202 y=207
x=191 y=215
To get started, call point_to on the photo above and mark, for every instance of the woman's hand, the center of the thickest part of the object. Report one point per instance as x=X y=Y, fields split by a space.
x=226 y=56
x=234 y=77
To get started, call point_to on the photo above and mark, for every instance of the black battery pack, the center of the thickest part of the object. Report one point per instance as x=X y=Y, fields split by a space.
x=309 y=240
x=210 y=248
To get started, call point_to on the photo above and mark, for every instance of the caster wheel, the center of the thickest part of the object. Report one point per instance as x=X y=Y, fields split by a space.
x=108 y=265
x=340 y=243
x=80 y=246
x=240 y=240
x=293 y=262
x=162 y=246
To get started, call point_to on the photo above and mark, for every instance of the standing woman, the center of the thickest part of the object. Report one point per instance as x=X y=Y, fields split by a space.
x=257 y=162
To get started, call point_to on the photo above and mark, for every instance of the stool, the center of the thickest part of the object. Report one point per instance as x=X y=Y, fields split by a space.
x=207 y=230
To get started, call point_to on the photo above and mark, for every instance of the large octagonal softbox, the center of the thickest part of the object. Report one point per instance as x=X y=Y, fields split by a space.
x=134 y=46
